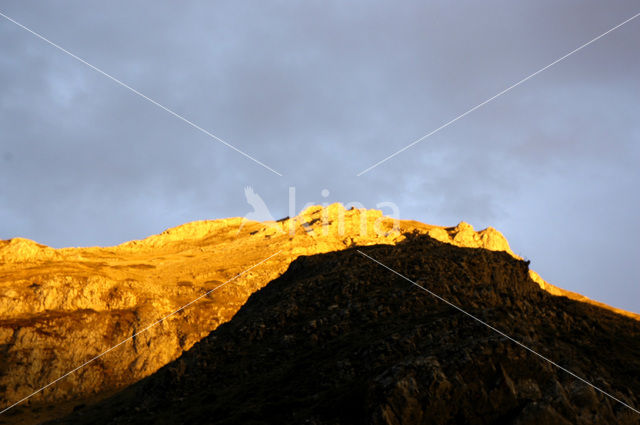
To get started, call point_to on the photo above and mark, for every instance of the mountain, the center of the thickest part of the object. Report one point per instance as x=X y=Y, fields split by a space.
x=340 y=339
x=61 y=308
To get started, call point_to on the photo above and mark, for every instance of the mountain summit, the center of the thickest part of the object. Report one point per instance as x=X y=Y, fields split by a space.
x=313 y=293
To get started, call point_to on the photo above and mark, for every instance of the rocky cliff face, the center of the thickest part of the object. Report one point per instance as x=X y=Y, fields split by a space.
x=338 y=339
x=61 y=308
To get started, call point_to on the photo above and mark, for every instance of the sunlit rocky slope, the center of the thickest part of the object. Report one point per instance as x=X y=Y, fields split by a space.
x=340 y=339
x=61 y=308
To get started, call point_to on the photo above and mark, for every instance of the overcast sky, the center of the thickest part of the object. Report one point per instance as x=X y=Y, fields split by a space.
x=319 y=91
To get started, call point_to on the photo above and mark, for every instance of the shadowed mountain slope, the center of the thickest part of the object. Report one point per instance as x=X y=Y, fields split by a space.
x=338 y=339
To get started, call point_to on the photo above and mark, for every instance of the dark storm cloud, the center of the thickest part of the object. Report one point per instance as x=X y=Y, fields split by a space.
x=320 y=91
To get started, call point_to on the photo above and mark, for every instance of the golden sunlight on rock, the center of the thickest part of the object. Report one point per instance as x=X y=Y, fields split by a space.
x=61 y=307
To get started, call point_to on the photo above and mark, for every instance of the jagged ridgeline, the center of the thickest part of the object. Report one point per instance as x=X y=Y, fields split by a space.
x=60 y=308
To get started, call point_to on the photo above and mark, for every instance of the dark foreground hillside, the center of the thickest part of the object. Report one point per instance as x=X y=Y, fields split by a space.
x=338 y=339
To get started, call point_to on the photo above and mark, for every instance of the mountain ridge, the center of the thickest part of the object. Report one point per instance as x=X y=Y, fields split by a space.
x=89 y=299
x=17 y=250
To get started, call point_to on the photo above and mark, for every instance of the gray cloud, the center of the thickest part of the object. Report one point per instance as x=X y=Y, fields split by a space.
x=319 y=91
